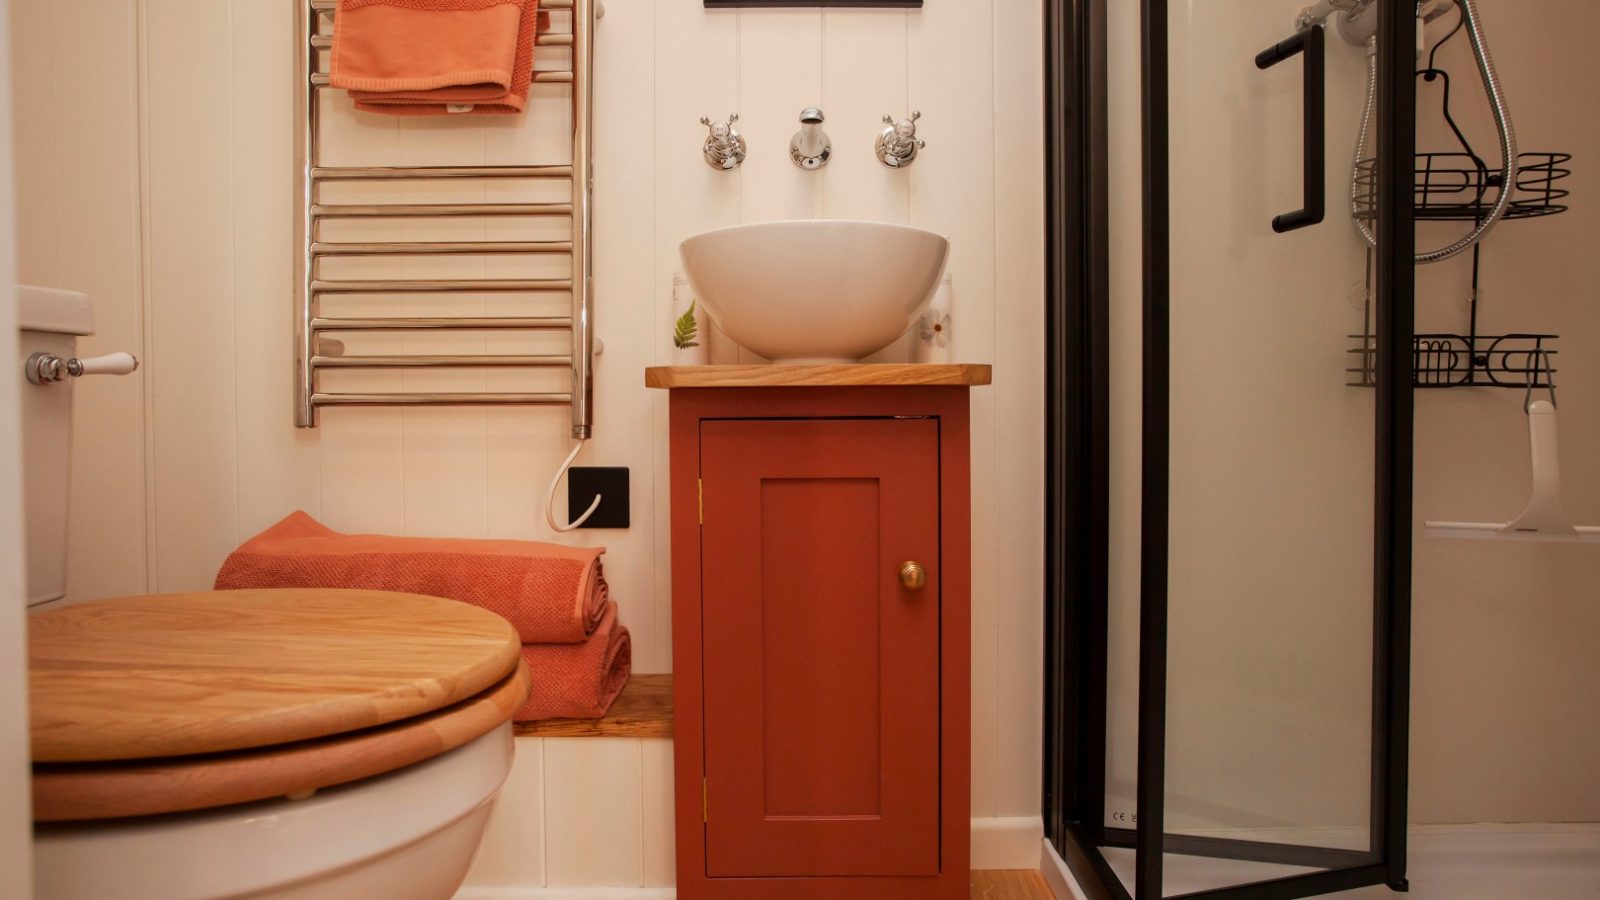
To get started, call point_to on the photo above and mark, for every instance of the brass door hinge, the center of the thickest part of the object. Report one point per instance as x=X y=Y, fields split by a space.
x=705 y=801
x=700 y=498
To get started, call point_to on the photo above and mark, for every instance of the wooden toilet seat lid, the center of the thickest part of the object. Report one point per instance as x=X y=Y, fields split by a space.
x=77 y=792
x=173 y=675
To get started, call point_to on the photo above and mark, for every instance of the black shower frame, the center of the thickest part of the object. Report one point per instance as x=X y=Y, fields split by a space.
x=1078 y=467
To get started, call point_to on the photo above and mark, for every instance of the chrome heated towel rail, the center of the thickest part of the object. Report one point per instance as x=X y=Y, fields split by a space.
x=312 y=356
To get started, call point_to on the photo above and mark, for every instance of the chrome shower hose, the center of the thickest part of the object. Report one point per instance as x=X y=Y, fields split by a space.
x=1502 y=121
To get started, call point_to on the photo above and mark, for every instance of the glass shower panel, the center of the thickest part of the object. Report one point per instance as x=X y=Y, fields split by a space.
x=1269 y=708
x=1124 y=437
x=1254 y=661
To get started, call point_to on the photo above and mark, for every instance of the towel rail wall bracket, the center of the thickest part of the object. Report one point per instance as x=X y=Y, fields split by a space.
x=314 y=353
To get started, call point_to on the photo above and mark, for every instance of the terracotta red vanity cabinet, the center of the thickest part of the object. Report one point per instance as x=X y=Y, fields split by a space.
x=821 y=624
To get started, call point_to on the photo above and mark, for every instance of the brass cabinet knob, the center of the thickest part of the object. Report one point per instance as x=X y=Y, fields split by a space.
x=913 y=576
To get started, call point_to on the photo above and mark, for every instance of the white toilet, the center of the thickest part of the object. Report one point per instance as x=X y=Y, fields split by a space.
x=363 y=764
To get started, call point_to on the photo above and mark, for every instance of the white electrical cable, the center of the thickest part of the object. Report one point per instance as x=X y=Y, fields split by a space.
x=550 y=498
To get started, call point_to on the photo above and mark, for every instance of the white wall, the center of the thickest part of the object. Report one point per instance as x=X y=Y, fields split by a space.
x=16 y=855
x=168 y=197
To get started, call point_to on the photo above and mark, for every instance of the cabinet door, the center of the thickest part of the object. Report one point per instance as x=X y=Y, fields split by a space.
x=821 y=669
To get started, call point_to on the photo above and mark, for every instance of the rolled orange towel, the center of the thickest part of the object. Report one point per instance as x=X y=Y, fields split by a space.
x=435 y=57
x=549 y=592
x=579 y=681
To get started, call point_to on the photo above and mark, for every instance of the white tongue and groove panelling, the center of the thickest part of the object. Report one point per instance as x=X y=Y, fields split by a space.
x=167 y=195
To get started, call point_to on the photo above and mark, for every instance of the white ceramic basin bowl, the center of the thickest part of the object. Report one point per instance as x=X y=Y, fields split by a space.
x=814 y=291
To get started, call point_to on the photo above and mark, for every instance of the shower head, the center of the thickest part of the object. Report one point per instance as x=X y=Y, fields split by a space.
x=1321 y=11
x=1356 y=21
x=1359 y=26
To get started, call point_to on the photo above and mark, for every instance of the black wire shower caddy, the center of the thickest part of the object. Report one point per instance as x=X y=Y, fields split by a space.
x=1460 y=186
x=1443 y=360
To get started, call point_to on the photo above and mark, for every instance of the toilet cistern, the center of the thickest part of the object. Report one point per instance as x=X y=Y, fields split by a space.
x=50 y=321
x=811 y=146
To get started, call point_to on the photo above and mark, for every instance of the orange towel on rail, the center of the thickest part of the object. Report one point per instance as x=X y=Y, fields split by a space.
x=435 y=57
x=579 y=681
x=549 y=592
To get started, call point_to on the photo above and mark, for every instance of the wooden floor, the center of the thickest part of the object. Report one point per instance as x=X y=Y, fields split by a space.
x=1022 y=884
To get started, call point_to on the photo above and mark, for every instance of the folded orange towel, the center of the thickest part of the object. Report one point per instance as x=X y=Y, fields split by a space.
x=550 y=593
x=433 y=57
x=579 y=681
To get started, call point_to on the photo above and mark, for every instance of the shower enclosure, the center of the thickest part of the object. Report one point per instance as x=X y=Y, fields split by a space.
x=1229 y=522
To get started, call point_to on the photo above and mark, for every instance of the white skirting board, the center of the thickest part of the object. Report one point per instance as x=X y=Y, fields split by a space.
x=1008 y=842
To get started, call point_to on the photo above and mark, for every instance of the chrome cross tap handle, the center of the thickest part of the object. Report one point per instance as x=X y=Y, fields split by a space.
x=898 y=143
x=725 y=147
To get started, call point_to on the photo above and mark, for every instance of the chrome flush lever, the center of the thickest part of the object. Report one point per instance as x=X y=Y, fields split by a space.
x=725 y=147
x=898 y=144
x=43 y=368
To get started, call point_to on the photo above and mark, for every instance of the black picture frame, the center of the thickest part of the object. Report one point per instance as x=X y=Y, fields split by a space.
x=836 y=4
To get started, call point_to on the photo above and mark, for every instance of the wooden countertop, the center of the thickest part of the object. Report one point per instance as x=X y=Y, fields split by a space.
x=855 y=374
x=181 y=674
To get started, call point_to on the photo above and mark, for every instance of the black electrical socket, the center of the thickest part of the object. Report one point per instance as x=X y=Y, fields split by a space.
x=611 y=483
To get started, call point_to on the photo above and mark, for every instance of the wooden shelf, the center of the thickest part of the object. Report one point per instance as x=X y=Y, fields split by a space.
x=643 y=709
x=852 y=375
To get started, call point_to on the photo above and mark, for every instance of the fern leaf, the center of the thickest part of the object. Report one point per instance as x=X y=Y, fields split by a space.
x=687 y=329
